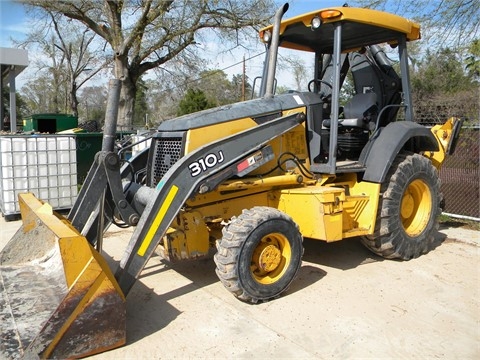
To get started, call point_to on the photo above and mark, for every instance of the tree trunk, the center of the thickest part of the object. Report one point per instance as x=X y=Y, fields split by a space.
x=127 y=104
x=73 y=98
x=55 y=100
x=127 y=94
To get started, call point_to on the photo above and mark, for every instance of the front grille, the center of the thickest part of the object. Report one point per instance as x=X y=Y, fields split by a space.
x=164 y=153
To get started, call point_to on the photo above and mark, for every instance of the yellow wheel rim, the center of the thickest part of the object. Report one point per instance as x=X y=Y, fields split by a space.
x=416 y=208
x=270 y=258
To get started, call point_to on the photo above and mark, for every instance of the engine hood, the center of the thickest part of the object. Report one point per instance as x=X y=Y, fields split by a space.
x=256 y=108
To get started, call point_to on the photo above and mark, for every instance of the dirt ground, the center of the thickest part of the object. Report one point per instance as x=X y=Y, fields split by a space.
x=345 y=303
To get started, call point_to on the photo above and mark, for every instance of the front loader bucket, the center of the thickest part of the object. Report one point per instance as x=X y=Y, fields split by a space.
x=58 y=297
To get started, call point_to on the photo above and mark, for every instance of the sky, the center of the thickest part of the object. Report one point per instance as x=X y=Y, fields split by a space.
x=13 y=22
x=14 y=25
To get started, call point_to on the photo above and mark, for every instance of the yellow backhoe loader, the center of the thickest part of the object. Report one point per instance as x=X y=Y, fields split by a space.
x=245 y=182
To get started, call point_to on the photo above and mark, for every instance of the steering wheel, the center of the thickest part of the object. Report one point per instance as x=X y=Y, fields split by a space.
x=318 y=81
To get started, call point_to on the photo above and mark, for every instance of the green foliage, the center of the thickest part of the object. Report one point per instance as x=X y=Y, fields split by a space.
x=21 y=104
x=213 y=89
x=237 y=81
x=282 y=89
x=221 y=91
x=214 y=84
x=440 y=73
x=193 y=101
x=472 y=60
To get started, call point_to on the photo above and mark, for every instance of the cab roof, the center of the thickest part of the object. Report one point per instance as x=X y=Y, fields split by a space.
x=360 y=27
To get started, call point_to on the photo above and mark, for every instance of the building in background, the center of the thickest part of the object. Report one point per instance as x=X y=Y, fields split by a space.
x=12 y=63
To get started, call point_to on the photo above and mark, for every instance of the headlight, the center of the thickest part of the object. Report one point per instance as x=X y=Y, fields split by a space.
x=316 y=22
x=267 y=36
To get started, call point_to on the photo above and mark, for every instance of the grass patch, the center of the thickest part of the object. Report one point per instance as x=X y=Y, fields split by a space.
x=448 y=221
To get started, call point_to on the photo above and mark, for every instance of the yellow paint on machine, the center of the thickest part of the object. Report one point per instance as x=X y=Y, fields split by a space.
x=158 y=219
x=317 y=210
x=443 y=133
x=331 y=213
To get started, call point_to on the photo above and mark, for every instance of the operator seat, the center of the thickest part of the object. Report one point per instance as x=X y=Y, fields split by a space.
x=358 y=112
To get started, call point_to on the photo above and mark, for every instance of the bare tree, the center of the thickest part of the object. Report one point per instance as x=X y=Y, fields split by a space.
x=39 y=96
x=92 y=103
x=66 y=54
x=446 y=22
x=145 y=34
x=298 y=69
x=50 y=66
x=81 y=65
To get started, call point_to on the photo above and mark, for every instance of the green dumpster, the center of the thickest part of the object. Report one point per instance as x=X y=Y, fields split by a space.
x=88 y=144
x=49 y=123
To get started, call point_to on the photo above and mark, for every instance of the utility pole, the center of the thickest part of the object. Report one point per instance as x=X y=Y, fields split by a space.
x=243 y=79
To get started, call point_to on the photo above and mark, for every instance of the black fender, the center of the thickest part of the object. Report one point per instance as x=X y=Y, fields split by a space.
x=383 y=147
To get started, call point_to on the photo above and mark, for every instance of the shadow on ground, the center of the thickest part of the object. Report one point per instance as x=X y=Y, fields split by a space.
x=156 y=312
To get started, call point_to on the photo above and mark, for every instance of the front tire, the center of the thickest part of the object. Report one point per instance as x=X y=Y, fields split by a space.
x=408 y=209
x=259 y=254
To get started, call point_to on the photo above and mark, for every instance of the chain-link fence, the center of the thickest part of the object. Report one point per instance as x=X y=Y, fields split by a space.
x=460 y=175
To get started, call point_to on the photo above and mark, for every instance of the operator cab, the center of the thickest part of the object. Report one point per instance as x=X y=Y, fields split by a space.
x=368 y=84
x=359 y=92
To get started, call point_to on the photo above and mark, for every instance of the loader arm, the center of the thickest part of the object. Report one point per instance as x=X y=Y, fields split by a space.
x=186 y=177
x=103 y=177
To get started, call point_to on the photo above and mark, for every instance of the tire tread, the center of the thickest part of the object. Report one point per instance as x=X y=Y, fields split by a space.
x=389 y=239
x=229 y=248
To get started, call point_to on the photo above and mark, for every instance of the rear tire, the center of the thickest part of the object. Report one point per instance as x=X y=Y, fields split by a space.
x=408 y=209
x=259 y=254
